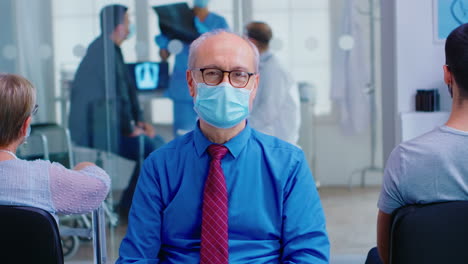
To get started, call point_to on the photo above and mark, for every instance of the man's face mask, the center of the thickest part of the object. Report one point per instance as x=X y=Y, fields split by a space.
x=131 y=31
x=222 y=106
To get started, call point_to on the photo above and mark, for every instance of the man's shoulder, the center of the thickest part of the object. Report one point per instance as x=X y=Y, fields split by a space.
x=428 y=142
x=173 y=148
x=275 y=67
x=93 y=59
x=272 y=143
x=433 y=147
x=217 y=16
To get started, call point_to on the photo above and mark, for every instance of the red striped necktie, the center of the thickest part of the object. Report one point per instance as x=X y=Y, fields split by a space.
x=214 y=234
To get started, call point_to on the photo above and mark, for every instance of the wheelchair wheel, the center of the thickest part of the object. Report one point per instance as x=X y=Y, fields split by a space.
x=70 y=245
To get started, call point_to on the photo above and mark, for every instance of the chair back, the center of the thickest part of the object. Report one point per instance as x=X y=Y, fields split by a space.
x=432 y=233
x=29 y=235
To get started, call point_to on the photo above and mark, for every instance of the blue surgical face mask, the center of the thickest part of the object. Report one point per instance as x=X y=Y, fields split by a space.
x=201 y=3
x=131 y=31
x=222 y=106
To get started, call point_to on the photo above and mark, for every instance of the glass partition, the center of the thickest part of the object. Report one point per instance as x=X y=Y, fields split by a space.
x=93 y=102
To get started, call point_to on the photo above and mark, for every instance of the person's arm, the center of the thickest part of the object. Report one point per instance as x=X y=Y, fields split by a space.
x=304 y=236
x=269 y=103
x=289 y=122
x=142 y=242
x=391 y=198
x=164 y=54
x=148 y=129
x=80 y=190
x=162 y=41
x=383 y=235
x=265 y=106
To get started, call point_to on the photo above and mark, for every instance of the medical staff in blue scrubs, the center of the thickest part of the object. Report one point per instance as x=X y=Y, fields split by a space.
x=184 y=115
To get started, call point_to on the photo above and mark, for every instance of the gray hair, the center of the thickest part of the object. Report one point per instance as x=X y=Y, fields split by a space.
x=196 y=43
x=17 y=98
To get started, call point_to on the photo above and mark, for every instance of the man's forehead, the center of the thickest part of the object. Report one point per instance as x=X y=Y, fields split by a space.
x=227 y=49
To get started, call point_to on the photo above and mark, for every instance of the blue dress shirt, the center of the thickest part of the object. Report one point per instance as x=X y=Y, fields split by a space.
x=275 y=214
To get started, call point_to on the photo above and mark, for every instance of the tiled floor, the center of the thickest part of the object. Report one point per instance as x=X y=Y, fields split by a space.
x=351 y=224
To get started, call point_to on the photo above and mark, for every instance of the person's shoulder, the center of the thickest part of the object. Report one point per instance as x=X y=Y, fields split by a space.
x=92 y=59
x=427 y=148
x=95 y=52
x=172 y=148
x=33 y=165
x=272 y=143
x=217 y=16
x=427 y=141
x=219 y=20
x=272 y=64
x=97 y=43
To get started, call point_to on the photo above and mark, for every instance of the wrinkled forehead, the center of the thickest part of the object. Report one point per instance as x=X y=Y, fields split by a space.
x=227 y=52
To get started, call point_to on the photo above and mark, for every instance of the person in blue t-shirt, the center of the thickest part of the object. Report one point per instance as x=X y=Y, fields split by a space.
x=184 y=115
x=224 y=192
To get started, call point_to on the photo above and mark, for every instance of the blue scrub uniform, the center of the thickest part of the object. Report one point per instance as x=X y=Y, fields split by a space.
x=184 y=115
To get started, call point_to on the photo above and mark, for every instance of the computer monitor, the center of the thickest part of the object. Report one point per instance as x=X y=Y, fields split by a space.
x=149 y=76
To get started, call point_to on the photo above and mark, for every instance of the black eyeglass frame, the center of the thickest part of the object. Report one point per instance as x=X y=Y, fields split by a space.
x=250 y=74
x=34 y=111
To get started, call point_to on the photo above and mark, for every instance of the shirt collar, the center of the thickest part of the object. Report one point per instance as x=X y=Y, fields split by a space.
x=235 y=145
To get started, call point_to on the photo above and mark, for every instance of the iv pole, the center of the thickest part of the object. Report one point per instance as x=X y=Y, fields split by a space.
x=371 y=91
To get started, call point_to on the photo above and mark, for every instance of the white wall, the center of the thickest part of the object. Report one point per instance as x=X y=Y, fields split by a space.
x=413 y=60
x=419 y=58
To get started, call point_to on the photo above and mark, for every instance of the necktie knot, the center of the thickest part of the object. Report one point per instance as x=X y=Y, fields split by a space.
x=217 y=152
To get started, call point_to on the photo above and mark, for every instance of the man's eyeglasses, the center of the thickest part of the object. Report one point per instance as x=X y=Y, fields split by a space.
x=34 y=111
x=213 y=76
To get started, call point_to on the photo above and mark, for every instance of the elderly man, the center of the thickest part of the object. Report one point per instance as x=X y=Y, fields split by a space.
x=225 y=193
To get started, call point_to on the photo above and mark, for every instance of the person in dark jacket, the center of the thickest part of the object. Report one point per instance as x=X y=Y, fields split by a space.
x=104 y=110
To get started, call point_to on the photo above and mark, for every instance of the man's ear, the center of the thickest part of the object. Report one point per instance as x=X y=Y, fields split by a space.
x=447 y=75
x=191 y=83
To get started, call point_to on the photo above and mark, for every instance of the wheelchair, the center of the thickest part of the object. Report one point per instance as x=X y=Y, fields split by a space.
x=52 y=142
